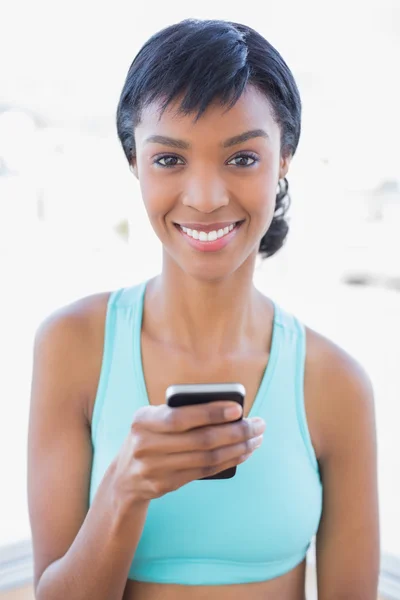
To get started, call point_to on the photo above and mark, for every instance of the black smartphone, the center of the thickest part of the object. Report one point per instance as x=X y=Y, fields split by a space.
x=201 y=393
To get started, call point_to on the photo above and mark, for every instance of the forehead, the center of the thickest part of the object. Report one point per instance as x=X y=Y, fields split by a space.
x=252 y=111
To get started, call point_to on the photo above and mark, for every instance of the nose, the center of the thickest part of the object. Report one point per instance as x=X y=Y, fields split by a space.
x=205 y=193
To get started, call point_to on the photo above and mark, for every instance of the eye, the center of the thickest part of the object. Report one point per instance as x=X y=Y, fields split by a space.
x=169 y=161
x=242 y=160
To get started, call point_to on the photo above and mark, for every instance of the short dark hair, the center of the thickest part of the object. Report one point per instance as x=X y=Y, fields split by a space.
x=201 y=61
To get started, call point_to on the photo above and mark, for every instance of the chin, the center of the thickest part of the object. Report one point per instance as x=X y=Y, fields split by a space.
x=213 y=269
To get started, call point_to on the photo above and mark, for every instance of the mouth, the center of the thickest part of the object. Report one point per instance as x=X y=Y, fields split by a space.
x=209 y=238
x=208 y=233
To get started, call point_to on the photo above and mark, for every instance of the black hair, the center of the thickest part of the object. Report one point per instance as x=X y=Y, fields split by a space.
x=201 y=61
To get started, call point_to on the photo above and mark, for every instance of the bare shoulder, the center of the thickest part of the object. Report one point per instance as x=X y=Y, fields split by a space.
x=338 y=392
x=75 y=334
x=341 y=412
x=79 y=314
x=67 y=356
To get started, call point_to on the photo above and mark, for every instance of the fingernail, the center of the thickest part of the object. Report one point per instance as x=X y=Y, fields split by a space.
x=245 y=457
x=258 y=424
x=233 y=412
x=258 y=441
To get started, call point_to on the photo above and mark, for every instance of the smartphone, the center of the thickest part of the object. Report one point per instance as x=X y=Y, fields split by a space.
x=201 y=393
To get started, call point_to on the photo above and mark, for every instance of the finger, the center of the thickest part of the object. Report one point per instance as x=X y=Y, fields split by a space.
x=205 y=438
x=207 y=459
x=159 y=486
x=164 y=419
x=209 y=471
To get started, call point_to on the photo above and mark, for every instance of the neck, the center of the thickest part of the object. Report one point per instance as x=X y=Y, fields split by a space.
x=204 y=317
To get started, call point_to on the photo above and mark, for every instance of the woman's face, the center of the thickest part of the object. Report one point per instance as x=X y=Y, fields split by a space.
x=209 y=187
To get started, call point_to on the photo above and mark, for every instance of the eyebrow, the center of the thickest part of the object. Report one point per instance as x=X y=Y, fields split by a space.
x=243 y=137
x=182 y=145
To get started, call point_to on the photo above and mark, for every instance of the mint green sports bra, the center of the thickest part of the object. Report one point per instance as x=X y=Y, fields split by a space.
x=253 y=527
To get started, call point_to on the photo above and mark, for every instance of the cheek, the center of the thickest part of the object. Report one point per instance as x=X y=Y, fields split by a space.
x=264 y=197
x=156 y=192
x=257 y=194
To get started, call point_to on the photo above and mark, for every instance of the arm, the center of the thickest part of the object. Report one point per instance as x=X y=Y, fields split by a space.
x=83 y=553
x=348 y=544
x=79 y=554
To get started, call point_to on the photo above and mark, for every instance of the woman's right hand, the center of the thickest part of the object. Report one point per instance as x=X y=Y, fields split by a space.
x=169 y=447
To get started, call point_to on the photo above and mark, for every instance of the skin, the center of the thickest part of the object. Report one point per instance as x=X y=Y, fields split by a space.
x=203 y=321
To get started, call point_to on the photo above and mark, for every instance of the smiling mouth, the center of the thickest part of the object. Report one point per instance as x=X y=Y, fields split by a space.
x=209 y=236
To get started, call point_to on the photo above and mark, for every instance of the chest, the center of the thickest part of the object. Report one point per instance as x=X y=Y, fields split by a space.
x=262 y=520
x=164 y=366
x=264 y=517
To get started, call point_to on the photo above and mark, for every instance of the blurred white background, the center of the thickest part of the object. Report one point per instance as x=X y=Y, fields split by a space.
x=67 y=197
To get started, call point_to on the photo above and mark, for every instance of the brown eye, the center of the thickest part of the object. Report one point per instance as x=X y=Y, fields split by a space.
x=169 y=161
x=243 y=160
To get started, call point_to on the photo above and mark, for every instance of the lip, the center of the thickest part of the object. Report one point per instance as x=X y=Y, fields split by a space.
x=207 y=227
x=215 y=245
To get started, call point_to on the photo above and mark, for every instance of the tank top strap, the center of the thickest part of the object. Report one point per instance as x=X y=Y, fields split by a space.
x=119 y=334
x=128 y=297
x=289 y=376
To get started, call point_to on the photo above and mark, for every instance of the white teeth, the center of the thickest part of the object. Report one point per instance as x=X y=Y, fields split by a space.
x=211 y=236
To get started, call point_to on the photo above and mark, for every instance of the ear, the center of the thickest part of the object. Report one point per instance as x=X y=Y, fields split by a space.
x=284 y=166
x=133 y=167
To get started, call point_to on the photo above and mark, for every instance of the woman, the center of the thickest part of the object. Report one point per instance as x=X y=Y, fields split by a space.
x=209 y=119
